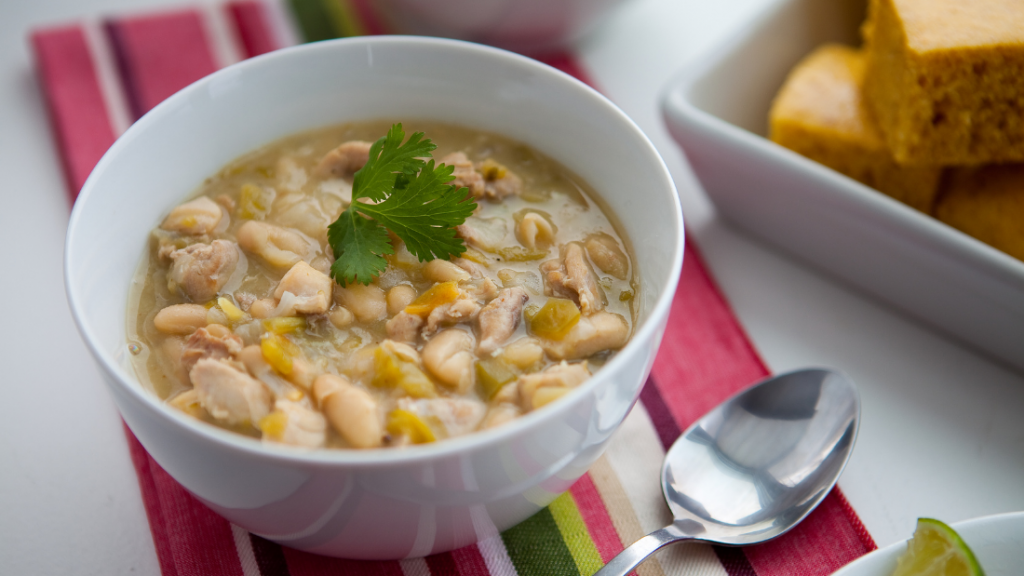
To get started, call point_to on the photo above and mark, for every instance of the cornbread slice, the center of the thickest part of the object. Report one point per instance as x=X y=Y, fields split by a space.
x=945 y=79
x=819 y=113
x=987 y=203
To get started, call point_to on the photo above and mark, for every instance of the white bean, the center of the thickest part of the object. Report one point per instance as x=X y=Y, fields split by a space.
x=278 y=246
x=368 y=302
x=350 y=409
x=534 y=231
x=340 y=317
x=449 y=357
x=180 y=319
x=444 y=271
x=199 y=216
x=399 y=297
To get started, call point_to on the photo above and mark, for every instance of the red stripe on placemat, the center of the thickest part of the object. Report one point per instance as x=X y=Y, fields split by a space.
x=269 y=556
x=78 y=113
x=824 y=542
x=368 y=16
x=252 y=24
x=595 y=517
x=704 y=347
x=306 y=564
x=565 y=62
x=442 y=565
x=160 y=54
x=151 y=502
x=190 y=539
x=470 y=561
x=661 y=417
x=734 y=561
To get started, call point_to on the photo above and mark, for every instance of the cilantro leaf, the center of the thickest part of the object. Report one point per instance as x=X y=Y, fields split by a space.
x=410 y=197
x=389 y=159
x=359 y=248
x=422 y=213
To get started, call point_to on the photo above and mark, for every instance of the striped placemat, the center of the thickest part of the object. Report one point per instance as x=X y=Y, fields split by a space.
x=100 y=75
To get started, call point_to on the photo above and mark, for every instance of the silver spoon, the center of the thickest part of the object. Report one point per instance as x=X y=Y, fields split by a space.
x=756 y=465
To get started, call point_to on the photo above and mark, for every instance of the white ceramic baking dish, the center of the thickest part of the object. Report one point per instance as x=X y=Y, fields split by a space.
x=718 y=112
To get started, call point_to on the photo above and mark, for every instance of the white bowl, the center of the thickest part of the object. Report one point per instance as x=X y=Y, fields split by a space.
x=522 y=25
x=718 y=112
x=995 y=540
x=376 y=504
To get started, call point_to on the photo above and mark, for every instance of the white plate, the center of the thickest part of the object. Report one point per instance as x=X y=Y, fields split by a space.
x=718 y=111
x=997 y=541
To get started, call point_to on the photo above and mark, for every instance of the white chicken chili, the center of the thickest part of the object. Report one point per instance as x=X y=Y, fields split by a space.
x=236 y=318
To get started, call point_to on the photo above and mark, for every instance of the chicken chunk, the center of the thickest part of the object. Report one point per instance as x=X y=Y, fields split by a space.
x=557 y=379
x=483 y=289
x=448 y=357
x=572 y=278
x=456 y=416
x=310 y=287
x=465 y=174
x=197 y=217
x=463 y=309
x=228 y=393
x=202 y=344
x=487 y=234
x=295 y=424
x=201 y=270
x=345 y=160
x=592 y=334
x=290 y=176
x=499 y=181
x=404 y=327
x=277 y=246
x=500 y=317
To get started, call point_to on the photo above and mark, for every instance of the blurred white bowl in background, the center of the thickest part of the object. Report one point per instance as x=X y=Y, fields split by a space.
x=528 y=26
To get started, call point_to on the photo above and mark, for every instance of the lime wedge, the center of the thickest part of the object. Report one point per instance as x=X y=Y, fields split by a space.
x=937 y=550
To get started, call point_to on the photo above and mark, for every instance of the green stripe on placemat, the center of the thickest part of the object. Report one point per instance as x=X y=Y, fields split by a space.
x=327 y=19
x=536 y=547
x=313 y=19
x=575 y=534
x=343 y=16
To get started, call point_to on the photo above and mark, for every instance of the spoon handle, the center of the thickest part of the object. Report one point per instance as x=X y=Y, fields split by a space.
x=638 y=551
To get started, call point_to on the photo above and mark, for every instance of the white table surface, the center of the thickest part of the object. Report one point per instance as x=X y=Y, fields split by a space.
x=942 y=431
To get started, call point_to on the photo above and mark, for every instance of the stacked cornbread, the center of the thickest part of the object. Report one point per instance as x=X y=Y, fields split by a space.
x=930 y=111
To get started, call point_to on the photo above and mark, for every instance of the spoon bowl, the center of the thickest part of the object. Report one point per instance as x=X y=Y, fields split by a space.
x=756 y=465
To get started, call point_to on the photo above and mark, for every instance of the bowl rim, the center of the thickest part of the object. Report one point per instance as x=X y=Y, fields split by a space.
x=119 y=378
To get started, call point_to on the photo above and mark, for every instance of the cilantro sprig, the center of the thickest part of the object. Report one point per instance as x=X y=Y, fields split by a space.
x=410 y=196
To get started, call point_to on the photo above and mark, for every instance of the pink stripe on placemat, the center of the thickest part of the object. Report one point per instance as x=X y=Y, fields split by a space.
x=74 y=98
x=191 y=540
x=252 y=24
x=595 y=517
x=160 y=54
x=704 y=346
